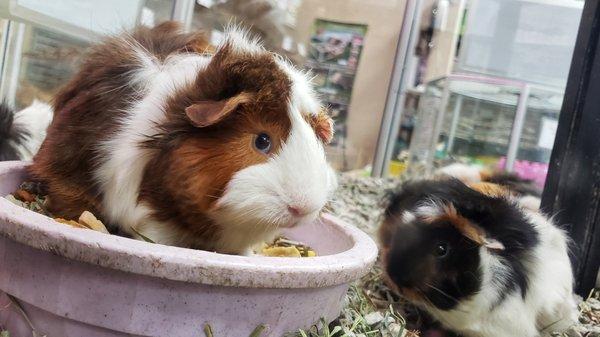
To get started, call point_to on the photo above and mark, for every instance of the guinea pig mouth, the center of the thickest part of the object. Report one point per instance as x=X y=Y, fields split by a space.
x=413 y=295
x=288 y=224
x=299 y=220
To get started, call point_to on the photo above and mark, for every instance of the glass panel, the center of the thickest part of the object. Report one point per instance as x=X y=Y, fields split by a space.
x=48 y=60
x=41 y=60
x=478 y=122
x=537 y=138
x=476 y=62
x=3 y=40
x=156 y=11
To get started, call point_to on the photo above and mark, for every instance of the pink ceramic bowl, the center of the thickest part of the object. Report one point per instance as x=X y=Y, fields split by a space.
x=81 y=283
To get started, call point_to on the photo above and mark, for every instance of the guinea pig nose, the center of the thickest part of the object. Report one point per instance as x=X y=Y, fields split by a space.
x=402 y=280
x=296 y=211
x=400 y=277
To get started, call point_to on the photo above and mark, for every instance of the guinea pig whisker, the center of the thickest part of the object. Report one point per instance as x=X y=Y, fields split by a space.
x=395 y=217
x=475 y=276
x=327 y=208
x=424 y=296
x=271 y=219
x=218 y=189
x=334 y=202
x=442 y=292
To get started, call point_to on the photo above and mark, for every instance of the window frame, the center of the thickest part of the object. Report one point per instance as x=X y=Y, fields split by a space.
x=572 y=191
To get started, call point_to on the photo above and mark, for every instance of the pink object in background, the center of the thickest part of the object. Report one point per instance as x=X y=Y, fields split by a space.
x=76 y=282
x=528 y=170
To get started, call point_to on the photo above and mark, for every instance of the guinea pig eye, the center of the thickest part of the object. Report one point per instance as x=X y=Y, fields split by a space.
x=441 y=249
x=263 y=142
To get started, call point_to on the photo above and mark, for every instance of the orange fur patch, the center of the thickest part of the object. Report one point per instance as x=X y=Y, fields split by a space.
x=485 y=174
x=489 y=189
x=322 y=124
x=462 y=224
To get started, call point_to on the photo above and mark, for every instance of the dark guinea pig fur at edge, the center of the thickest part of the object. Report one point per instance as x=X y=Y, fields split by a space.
x=11 y=134
x=478 y=255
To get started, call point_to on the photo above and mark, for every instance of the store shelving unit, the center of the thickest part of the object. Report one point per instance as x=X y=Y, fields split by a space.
x=477 y=116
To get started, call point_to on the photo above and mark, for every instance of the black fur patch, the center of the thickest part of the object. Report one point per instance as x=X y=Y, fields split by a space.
x=411 y=261
x=11 y=135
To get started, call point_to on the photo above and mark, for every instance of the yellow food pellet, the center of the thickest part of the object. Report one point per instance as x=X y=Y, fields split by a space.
x=311 y=253
x=70 y=223
x=89 y=220
x=281 y=252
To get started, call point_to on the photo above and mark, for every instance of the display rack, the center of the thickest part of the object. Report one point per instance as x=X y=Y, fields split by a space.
x=511 y=126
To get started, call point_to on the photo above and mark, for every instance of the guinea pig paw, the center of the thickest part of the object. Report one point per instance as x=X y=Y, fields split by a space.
x=530 y=202
x=249 y=253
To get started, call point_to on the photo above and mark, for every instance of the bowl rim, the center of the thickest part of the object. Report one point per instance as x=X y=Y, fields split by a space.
x=181 y=264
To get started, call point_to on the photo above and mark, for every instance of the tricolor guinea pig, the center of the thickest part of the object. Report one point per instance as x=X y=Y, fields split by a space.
x=193 y=146
x=478 y=256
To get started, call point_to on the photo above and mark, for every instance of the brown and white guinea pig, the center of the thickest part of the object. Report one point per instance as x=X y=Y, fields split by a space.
x=162 y=135
x=478 y=256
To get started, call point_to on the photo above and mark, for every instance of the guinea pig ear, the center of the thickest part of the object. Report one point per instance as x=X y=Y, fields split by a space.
x=493 y=244
x=476 y=234
x=322 y=124
x=206 y=113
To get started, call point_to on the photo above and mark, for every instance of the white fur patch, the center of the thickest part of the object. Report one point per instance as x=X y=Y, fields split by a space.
x=35 y=119
x=241 y=40
x=429 y=209
x=120 y=175
x=466 y=173
x=303 y=97
x=408 y=217
x=530 y=202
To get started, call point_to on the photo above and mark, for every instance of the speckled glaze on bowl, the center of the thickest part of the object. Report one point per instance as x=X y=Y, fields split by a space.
x=81 y=283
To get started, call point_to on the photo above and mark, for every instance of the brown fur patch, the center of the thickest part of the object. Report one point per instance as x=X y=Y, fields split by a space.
x=168 y=38
x=386 y=232
x=485 y=174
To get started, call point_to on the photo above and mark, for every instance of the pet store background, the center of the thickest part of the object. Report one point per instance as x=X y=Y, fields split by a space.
x=412 y=84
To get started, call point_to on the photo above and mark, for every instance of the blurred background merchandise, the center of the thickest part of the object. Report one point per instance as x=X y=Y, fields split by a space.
x=488 y=84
